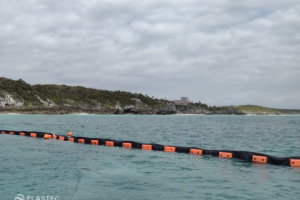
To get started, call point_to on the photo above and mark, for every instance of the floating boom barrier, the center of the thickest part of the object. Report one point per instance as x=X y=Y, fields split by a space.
x=247 y=156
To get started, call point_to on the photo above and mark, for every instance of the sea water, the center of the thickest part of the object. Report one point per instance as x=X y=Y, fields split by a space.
x=36 y=167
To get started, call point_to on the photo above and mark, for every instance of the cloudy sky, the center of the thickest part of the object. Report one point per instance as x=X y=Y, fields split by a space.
x=219 y=52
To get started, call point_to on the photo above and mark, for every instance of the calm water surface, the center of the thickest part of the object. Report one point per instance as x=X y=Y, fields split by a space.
x=32 y=167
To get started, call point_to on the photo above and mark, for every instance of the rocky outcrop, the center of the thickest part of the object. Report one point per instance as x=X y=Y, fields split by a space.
x=8 y=101
x=191 y=109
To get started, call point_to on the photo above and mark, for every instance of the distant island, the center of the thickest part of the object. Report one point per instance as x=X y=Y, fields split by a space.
x=17 y=96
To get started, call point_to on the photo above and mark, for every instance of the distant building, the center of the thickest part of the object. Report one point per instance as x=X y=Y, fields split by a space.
x=182 y=101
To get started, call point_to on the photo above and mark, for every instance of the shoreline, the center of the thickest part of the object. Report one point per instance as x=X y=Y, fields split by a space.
x=177 y=114
x=139 y=111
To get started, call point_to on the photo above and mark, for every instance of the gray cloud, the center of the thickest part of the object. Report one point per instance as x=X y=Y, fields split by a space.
x=219 y=52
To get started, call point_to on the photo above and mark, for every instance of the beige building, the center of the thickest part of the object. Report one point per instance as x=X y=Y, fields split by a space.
x=182 y=101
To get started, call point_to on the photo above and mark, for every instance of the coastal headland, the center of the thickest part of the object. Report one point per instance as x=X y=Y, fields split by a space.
x=17 y=96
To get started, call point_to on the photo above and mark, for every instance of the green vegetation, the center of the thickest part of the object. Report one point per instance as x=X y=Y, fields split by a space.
x=253 y=109
x=289 y=111
x=41 y=96
x=77 y=96
x=19 y=90
x=2 y=95
x=201 y=105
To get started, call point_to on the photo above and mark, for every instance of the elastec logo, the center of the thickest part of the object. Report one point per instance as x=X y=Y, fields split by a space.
x=21 y=197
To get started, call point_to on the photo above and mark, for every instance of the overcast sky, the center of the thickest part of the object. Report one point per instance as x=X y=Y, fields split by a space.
x=219 y=52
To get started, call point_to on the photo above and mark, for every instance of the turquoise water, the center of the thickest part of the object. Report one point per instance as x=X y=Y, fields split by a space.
x=32 y=167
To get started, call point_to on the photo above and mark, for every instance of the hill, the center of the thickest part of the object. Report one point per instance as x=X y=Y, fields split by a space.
x=259 y=110
x=21 y=97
